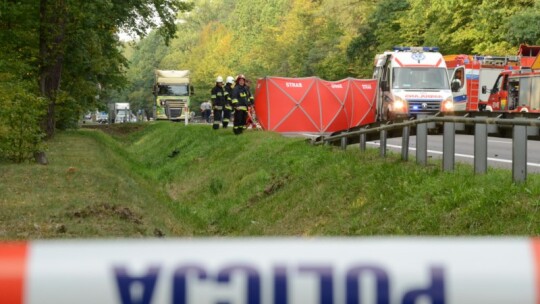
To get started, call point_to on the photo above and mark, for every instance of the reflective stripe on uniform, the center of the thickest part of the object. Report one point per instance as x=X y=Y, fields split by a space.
x=235 y=100
x=242 y=108
x=218 y=107
x=213 y=96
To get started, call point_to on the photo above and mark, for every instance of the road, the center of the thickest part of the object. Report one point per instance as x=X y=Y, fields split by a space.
x=499 y=150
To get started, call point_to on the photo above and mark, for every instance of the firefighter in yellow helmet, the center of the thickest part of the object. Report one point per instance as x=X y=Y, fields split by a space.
x=241 y=100
x=219 y=100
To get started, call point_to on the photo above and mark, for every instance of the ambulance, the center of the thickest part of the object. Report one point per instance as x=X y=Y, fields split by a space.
x=412 y=81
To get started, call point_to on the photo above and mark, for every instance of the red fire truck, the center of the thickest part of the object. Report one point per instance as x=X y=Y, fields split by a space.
x=480 y=73
x=515 y=91
x=472 y=73
x=528 y=54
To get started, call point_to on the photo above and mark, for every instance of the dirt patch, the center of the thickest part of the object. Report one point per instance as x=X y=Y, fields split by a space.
x=117 y=129
x=272 y=187
x=275 y=185
x=107 y=211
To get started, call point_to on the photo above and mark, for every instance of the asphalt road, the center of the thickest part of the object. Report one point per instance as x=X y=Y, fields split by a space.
x=499 y=150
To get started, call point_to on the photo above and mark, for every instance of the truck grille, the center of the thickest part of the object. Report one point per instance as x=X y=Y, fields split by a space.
x=174 y=108
x=424 y=106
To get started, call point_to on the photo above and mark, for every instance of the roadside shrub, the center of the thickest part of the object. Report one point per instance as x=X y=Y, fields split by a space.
x=20 y=116
x=68 y=112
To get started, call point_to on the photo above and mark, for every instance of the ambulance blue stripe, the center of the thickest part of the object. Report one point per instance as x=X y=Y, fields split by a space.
x=461 y=98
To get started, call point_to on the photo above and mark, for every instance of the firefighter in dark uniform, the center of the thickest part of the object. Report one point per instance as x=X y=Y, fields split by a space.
x=219 y=100
x=241 y=100
x=227 y=110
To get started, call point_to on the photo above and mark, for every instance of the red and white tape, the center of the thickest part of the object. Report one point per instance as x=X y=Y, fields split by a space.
x=272 y=271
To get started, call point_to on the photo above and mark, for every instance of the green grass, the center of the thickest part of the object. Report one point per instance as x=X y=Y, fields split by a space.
x=259 y=183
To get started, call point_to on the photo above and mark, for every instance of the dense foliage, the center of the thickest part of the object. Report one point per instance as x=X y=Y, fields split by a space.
x=20 y=111
x=330 y=39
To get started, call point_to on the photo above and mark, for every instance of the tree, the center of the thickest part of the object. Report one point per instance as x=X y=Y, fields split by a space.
x=20 y=105
x=147 y=56
x=524 y=26
x=62 y=22
x=381 y=32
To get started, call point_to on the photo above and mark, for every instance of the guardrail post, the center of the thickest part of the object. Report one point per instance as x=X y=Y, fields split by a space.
x=421 y=144
x=363 y=142
x=382 y=148
x=344 y=143
x=449 y=146
x=519 y=154
x=480 y=148
x=532 y=131
x=405 y=143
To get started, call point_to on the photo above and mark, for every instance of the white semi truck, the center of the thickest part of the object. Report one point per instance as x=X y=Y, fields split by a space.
x=172 y=91
x=122 y=113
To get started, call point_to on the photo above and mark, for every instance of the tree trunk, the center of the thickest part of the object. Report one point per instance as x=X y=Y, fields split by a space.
x=51 y=51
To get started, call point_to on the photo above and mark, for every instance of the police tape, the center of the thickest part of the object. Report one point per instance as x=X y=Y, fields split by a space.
x=273 y=271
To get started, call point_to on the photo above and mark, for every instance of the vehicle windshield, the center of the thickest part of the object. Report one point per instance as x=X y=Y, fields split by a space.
x=420 y=78
x=173 y=90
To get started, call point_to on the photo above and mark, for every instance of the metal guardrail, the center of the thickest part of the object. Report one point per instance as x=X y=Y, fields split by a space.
x=519 y=140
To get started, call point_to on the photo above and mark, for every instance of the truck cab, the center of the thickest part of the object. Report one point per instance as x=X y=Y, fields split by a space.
x=515 y=91
x=172 y=90
x=122 y=112
x=412 y=81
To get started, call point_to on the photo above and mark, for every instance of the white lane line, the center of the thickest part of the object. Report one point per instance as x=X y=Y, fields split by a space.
x=500 y=160
x=500 y=142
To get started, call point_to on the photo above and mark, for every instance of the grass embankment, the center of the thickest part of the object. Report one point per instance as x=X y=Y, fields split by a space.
x=260 y=183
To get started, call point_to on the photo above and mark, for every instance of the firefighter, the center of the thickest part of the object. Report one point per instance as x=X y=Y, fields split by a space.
x=228 y=105
x=219 y=100
x=250 y=121
x=241 y=100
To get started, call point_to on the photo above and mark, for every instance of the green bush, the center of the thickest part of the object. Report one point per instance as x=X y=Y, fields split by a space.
x=20 y=115
x=68 y=112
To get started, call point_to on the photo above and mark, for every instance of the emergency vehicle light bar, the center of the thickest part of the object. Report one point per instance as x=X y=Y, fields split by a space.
x=416 y=48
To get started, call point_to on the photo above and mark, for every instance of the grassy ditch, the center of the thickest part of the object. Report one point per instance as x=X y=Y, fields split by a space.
x=175 y=180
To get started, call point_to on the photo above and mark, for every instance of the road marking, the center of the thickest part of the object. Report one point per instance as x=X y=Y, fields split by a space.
x=500 y=160
x=500 y=142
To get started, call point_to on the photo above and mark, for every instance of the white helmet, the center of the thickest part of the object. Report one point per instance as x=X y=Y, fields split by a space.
x=230 y=79
x=219 y=79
